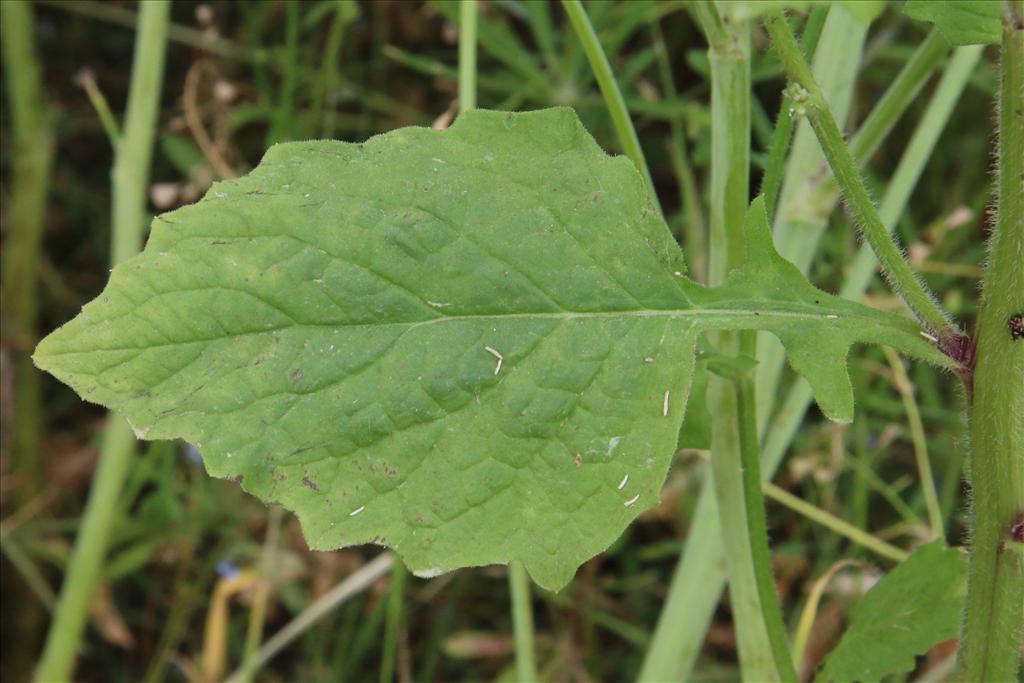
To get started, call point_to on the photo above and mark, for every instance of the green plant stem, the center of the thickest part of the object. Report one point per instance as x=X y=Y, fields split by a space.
x=699 y=576
x=62 y=641
x=99 y=103
x=467 y=54
x=31 y=136
x=734 y=443
x=757 y=524
x=820 y=197
x=992 y=629
x=393 y=621
x=522 y=623
x=31 y=139
x=918 y=151
x=810 y=98
x=609 y=90
x=130 y=183
x=835 y=524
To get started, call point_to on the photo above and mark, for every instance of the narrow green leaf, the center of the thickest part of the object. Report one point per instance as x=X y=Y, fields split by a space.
x=473 y=346
x=962 y=22
x=915 y=607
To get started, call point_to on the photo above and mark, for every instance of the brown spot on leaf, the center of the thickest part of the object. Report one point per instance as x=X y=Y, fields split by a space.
x=310 y=484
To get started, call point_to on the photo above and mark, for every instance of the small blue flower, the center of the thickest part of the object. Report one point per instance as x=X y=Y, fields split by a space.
x=193 y=454
x=226 y=569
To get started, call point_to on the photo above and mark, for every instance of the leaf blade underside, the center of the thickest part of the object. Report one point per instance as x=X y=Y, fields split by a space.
x=455 y=344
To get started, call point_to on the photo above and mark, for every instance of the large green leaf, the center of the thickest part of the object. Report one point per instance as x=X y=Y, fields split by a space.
x=472 y=346
x=962 y=22
x=915 y=607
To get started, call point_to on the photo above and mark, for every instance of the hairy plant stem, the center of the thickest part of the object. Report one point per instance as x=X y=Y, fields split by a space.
x=992 y=629
x=610 y=91
x=811 y=102
x=734 y=444
x=522 y=623
x=809 y=192
x=922 y=142
x=130 y=182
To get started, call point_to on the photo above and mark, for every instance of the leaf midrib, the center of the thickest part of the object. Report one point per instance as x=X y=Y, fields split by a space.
x=699 y=313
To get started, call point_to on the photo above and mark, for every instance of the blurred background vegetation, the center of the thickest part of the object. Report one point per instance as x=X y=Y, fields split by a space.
x=242 y=75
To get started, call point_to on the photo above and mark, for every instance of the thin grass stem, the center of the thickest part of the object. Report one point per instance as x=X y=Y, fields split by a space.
x=919 y=441
x=835 y=524
x=258 y=611
x=353 y=585
x=87 y=81
x=467 y=54
x=393 y=621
